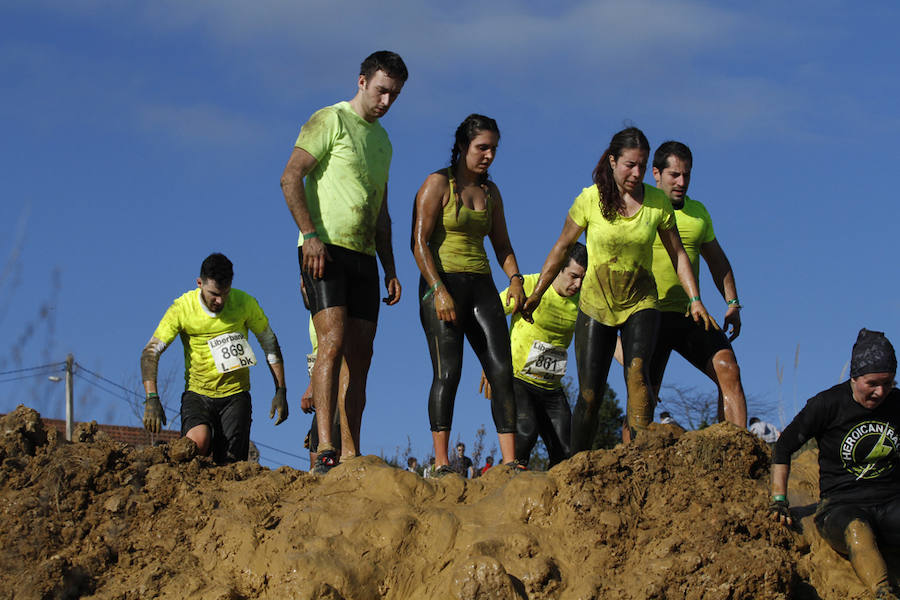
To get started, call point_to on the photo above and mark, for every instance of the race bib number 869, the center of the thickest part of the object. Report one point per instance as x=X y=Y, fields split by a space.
x=231 y=351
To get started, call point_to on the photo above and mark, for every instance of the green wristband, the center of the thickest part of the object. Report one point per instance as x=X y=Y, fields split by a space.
x=431 y=290
x=695 y=299
x=152 y=395
x=734 y=302
x=779 y=498
x=310 y=235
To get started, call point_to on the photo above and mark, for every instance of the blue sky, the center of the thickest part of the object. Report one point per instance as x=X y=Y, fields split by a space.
x=139 y=137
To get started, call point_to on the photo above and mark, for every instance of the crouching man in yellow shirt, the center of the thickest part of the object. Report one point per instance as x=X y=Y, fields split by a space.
x=212 y=322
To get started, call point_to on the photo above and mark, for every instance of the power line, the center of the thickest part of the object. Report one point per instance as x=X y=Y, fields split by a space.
x=306 y=458
x=20 y=377
x=112 y=383
x=59 y=365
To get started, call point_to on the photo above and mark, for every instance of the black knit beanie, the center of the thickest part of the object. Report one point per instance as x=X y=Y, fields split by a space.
x=872 y=353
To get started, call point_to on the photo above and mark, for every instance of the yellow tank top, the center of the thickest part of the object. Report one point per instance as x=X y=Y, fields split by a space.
x=457 y=242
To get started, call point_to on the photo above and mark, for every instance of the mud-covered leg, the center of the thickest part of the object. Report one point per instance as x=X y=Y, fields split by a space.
x=638 y=341
x=594 y=347
x=866 y=559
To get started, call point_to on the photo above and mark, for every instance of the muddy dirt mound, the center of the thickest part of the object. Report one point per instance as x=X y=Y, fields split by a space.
x=670 y=516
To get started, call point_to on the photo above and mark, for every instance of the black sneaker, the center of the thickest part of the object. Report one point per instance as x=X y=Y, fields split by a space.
x=325 y=461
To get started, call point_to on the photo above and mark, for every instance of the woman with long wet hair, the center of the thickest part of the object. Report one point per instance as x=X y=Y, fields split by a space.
x=455 y=209
x=622 y=217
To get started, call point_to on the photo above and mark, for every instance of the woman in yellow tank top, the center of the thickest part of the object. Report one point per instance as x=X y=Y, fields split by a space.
x=455 y=209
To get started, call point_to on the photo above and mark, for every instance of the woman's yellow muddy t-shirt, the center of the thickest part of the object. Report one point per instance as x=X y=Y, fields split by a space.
x=457 y=242
x=619 y=281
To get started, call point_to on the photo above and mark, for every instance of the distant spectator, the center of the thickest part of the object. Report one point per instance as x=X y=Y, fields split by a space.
x=764 y=431
x=428 y=471
x=666 y=419
x=488 y=463
x=461 y=463
x=412 y=465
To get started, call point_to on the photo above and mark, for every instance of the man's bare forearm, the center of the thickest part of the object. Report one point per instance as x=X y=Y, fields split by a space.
x=384 y=246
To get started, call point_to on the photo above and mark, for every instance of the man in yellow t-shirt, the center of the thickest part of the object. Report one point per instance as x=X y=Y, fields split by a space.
x=341 y=209
x=539 y=357
x=212 y=321
x=707 y=349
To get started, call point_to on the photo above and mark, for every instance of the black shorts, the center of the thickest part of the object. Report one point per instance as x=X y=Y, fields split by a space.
x=833 y=516
x=351 y=280
x=688 y=338
x=228 y=419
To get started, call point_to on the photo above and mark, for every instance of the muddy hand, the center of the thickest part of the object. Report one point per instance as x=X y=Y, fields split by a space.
x=279 y=405
x=154 y=415
x=780 y=512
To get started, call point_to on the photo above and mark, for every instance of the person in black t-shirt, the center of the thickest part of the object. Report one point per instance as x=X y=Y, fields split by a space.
x=857 y=427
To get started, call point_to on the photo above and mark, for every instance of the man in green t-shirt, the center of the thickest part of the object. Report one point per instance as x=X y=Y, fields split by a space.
x=539 y=357
x=212 y=321
x=341 y=208
x=707 y=349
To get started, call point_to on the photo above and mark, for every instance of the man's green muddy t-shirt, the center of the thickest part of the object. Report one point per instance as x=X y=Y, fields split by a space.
x=696 y=229
x=345 y=189
x=619 y=282
x=540 y=349
x=193 y=321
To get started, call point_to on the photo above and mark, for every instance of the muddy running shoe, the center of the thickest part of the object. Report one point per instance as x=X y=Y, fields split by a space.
x=444 y=470
x=516 y=466
x=325 y=461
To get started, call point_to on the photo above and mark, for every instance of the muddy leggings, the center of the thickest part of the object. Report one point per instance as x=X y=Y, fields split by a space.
x=595 y=344
x=480 y=320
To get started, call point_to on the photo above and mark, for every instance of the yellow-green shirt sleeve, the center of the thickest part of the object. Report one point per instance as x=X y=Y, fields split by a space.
x=317 y=136
x=170 y=325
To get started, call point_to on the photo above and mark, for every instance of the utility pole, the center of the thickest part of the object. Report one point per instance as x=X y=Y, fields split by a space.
x=70 y=362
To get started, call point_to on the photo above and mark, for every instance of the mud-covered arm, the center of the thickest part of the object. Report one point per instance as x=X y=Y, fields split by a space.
x=269 y=343
x=150 y=364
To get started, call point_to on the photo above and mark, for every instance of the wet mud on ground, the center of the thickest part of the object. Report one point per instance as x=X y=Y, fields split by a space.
x=674 y=515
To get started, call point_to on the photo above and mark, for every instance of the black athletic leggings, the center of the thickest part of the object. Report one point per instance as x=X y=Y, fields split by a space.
x=595 y=344
x=481 y=321
x=546 y=413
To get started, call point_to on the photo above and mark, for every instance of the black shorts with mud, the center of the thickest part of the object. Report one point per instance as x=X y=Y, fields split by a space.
x=351 y=280
x=689 y=339
x=542 y=412
x=228 y=419
x=833 y=516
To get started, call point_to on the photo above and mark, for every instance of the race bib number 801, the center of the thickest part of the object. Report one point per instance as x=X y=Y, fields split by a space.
x=231 y=351
x=545 y=361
